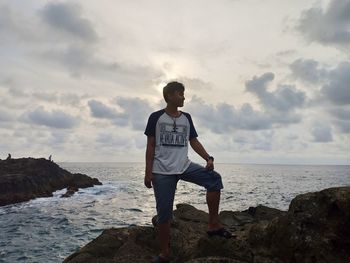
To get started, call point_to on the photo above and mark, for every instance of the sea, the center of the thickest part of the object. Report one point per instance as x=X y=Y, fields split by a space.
x=48 y=230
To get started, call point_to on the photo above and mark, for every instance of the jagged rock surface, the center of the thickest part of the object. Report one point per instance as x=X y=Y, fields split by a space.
x=316 y=229
x=27 y=178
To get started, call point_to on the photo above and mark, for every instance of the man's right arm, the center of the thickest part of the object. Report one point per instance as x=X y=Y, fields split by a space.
x=151 y=144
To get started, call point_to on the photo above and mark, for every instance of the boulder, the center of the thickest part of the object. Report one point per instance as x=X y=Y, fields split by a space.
x=27 y=178
x=70 y=191
x=316 y=229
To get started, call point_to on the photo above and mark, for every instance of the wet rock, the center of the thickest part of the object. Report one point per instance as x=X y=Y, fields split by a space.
x=316 y=229
x=27 y=178
x=70 y=191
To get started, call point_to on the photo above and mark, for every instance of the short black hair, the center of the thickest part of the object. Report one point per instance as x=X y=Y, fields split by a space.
x=171 y=88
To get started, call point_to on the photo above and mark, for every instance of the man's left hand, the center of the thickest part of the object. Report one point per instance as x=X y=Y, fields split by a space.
x=210 y=165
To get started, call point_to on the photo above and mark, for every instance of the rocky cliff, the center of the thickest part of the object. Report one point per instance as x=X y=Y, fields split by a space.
x=315 y=229
x=27 y=178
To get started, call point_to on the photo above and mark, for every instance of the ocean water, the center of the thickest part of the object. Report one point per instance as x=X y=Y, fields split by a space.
x=50 y=229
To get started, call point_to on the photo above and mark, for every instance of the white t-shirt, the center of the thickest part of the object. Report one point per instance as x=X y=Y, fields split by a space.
x=171 y=138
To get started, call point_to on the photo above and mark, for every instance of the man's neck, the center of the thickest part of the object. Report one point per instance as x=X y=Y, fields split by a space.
x=171 y=110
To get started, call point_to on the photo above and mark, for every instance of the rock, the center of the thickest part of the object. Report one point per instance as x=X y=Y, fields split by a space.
x=316 y=229
x=70 y=191
x=27 y=178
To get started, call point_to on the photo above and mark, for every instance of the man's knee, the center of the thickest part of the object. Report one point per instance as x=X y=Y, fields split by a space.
x=216 y=183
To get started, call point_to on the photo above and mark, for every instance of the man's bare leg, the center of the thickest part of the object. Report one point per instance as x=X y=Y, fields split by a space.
x=164 y=240
x=213 y=201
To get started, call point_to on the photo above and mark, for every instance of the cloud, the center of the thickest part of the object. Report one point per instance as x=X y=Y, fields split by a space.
x=337 y=90
x=334 y=82
x=308 y=70
x=255 y=141
x=285 y=98
x=137 y=110
x=5 y=116
x=329 y=26
x=341 y=113
x=100 y=110
x=15 y=25
x=67 y=18
x=133 y=112
x=225 y=117
x=54 y=119
x=322 y=133
x=342 y=118
x=111 y=141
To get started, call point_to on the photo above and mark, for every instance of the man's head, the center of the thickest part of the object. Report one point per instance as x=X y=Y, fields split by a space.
x=171 y=89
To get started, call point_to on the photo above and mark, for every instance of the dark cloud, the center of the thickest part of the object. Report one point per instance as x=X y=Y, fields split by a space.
x=285 y=98
x=308 y=70
x=100 y=110
x=133 y=112
x=342 y=118
x=68 y=19
x=53 y=119
x=338 y=89
x=224 y=118
x=334 y=82
x=329 y=26
x=341 y=113
x=322 y=133
x=136 y=109
x=343 y=125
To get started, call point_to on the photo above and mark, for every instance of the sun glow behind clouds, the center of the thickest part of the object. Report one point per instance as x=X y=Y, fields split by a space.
x=64 y=55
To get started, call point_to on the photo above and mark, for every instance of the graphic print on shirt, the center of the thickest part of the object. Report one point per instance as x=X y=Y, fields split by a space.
x=174 y=136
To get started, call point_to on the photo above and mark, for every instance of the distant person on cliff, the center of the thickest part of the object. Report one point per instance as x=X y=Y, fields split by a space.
x=8 y=157
x=168 y=133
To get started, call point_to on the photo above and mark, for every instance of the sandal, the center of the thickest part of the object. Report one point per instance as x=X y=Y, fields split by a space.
x=221 y=232
x=159 y=259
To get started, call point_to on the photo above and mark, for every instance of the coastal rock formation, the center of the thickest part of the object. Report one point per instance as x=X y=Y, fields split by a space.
x=27 y=178
x=316 y=228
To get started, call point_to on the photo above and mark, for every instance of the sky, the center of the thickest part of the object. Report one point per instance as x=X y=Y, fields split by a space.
x=267 y=81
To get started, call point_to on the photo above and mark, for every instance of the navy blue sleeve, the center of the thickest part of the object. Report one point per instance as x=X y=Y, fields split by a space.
x=193 y=132
x=152 y=122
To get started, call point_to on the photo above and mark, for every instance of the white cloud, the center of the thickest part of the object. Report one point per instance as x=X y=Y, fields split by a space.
x=5 y=116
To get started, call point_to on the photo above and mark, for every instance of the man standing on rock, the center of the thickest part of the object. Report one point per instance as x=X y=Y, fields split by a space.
x=168 y=133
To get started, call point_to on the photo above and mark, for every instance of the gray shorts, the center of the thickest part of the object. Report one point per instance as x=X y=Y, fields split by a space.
x=165 y=185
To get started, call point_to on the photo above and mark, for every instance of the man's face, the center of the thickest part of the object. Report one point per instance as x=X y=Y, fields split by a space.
x=178 y=98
